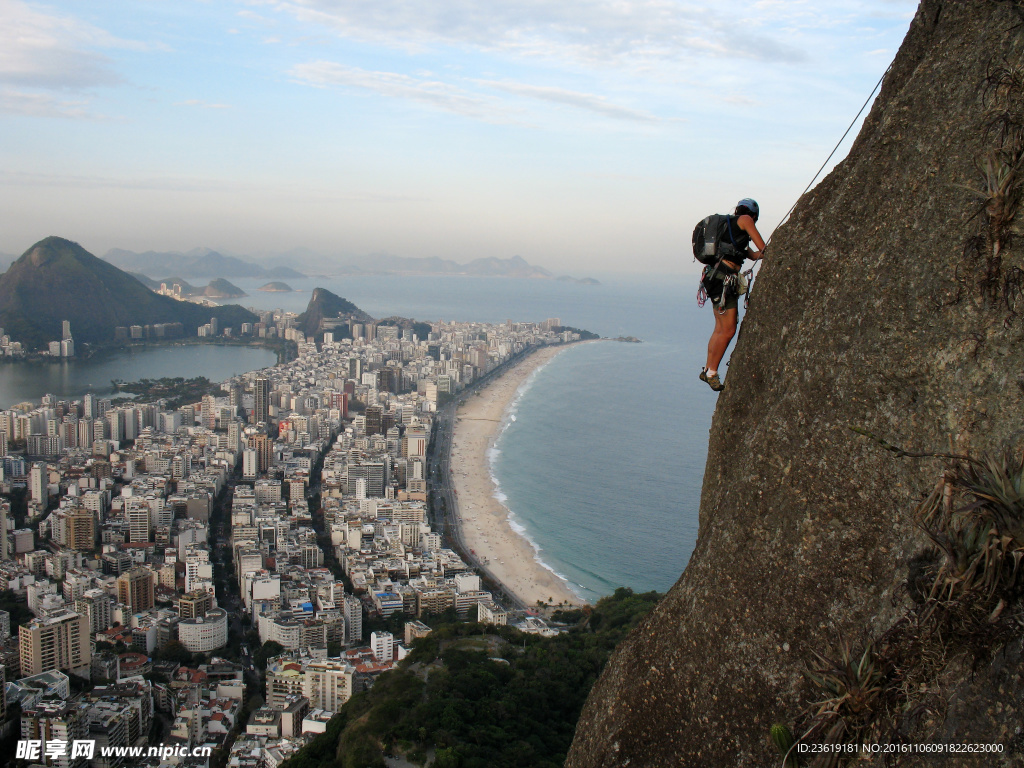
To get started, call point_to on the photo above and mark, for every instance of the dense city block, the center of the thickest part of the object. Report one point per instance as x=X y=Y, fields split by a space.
x=227 y=573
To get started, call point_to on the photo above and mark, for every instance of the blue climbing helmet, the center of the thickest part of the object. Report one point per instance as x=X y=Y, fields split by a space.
x=750 y=204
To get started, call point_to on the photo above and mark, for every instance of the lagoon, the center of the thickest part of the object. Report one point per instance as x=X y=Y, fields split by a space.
x=72 y=379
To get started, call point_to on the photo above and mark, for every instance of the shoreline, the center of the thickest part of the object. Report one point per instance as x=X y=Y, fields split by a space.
x=486 y=528
x=285 y=351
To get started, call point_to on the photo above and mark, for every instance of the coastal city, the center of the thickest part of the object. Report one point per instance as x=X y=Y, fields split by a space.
x=219 y=577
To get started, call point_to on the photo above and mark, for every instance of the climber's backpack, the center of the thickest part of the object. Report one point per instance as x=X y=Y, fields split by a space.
x=708 y=236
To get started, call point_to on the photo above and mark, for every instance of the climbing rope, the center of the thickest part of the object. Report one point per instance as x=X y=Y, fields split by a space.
x=750 y=272
x=830 y=154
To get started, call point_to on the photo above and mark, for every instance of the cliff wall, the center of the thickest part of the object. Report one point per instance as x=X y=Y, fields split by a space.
x=887 y=304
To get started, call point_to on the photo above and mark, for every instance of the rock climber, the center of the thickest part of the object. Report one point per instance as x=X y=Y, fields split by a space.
x=724 y=284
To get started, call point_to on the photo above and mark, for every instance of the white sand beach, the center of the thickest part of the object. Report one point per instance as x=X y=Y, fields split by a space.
x=484 y=519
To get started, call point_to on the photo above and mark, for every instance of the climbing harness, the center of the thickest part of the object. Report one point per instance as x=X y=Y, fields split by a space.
x=731 y=283
x=748 y=285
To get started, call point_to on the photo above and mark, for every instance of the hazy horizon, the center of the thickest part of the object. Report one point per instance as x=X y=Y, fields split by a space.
x=321 y=265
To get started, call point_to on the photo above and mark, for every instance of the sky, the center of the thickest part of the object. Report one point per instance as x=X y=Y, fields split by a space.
x=582 y=135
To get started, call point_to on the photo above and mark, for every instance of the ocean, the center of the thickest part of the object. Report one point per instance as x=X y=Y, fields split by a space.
x=74 y=378
x=601 y=457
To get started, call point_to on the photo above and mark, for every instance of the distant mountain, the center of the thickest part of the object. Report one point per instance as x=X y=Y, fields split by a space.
x=57 y=280
x=514 y=267
x=418 y=327
x=219 y=288
x=324 y=304
x=207 y=263
x=276 y=287
x=386 y=262
x=148 y=263
x=283 y=273
x=213 y=263
x=303 y=258
x=153 y=285
x=199 y=262
x=187 y=289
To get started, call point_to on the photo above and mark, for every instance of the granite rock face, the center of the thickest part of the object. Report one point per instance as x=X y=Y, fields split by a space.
x=879 y=308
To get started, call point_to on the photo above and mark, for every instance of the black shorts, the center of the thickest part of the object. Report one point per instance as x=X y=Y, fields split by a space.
x=714 y=288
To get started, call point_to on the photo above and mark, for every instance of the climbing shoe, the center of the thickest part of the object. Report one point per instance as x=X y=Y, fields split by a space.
x=714 y=382
x=703 y=375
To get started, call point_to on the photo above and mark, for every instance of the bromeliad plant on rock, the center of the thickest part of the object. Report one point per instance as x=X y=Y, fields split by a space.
x=981 y=540
x=854 y=686
x=998 y=185
x=968 y=593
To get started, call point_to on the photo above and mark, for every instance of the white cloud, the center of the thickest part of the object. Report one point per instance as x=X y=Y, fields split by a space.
x=741 y=101
x=41 y=50
x=565 y=97
x=433 y=93
x=425 y=88
x=202 y=104
x=590 y=31
x=14 y=102
x=253 y=16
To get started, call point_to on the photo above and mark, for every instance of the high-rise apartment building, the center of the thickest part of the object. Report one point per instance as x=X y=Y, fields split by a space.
x=97 y=607
x=38 y=478
x=250 y=464
x=138 y=512
x=6 y=527
x=58 y=641
x=327 y=684
x=374 y=476
x=80 y=531
x=54 y=720
x=136 y=590
x=414 y=443
x=261 y=408
x=264 y=447
x=383 y=645
x=204 y=633
x=353 y=619
x=234 y=400
x=208 y=411
x=195 y=604
x=284 y=681
x=374 y=420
